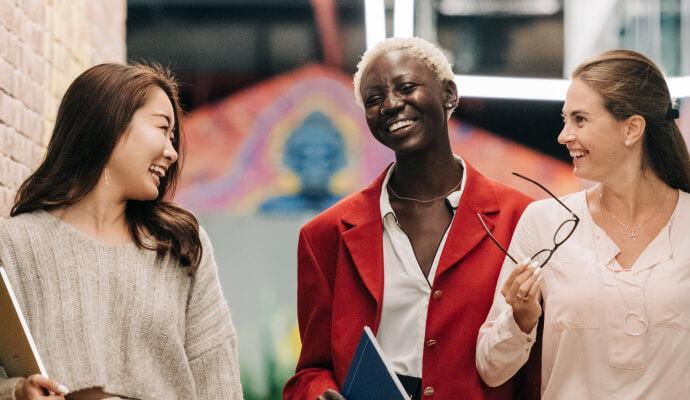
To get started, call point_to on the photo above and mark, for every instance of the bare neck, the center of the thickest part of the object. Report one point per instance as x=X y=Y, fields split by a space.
x=635 y=196
x=100 y=214
x=426 y=175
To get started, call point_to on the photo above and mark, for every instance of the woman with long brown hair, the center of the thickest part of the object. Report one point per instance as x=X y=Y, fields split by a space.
x=615 y=281
x=118 y=284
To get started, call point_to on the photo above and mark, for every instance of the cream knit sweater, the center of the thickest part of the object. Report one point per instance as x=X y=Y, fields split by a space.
x=118 y=317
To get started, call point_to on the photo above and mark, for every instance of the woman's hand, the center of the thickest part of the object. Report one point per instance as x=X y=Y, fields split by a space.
x=36 y=386
x=331 y=394
x=522 y=292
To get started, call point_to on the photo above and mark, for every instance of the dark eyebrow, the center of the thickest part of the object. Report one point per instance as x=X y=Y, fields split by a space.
x=574 y=113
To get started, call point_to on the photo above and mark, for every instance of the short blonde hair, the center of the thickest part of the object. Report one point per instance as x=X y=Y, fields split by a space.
x=414 y=47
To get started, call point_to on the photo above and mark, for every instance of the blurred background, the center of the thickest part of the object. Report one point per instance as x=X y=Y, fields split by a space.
x=273 y=134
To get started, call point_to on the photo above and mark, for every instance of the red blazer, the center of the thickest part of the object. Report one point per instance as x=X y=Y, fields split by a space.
x=340 y=290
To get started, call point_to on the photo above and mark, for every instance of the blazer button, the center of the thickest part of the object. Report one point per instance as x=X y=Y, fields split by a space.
x=428 y=391
x=437 y=294
x=430 y=343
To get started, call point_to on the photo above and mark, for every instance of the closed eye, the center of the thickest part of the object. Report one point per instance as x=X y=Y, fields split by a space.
x=408 y=88
x=370 y=101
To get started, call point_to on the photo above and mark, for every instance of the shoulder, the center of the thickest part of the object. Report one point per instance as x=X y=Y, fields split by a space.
x=356 y=207
x=550 y=206
x=23 y=224
x=509 y=197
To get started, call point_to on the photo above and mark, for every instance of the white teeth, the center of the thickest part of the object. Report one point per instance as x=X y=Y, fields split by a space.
x=159 y=171
x=578 y=153
x=400 y=124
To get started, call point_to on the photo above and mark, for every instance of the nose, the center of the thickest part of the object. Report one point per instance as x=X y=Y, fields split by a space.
x=391 y=104
x=169 y=153
x=566 y=135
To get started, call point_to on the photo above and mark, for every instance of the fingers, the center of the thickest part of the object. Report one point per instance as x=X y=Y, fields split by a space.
x=521 y=267
x=331 y=394
x=530 y=276
x=36 y=385
x=534 y=291
x=522 y=283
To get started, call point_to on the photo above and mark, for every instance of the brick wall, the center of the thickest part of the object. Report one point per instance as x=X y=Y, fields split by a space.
x=44 y=45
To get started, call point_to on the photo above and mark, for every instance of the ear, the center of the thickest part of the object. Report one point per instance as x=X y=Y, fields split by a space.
x=450 y=98
x=635 y=125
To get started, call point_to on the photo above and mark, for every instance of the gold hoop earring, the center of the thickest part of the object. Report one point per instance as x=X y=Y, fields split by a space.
x=107 y=177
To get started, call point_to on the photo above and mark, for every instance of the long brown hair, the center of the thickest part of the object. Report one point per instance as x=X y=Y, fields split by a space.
x=631 y=84
x=93 y=116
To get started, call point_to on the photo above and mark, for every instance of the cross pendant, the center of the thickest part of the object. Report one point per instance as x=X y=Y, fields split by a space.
x=633 y=236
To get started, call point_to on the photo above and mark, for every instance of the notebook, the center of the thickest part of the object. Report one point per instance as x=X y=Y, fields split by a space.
x=369 y=376
x=18 y=354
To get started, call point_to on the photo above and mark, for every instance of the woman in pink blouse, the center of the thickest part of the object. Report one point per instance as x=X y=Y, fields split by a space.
x=615 y=296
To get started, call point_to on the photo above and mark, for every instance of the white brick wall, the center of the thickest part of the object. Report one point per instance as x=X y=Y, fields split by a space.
x=44 y=45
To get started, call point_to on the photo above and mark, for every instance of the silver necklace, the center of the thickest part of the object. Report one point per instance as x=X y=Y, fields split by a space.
x=631 y=316
x=628 y=228
x=420 y=200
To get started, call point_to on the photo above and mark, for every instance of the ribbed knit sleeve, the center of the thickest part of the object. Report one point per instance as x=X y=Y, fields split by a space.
x=210 y=340
x=7 y=386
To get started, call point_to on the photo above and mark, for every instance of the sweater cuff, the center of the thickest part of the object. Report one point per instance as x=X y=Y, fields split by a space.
x=7 y=388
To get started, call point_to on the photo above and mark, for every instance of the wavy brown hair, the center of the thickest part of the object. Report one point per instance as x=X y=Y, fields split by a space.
x=94 y=114
x=631 y=84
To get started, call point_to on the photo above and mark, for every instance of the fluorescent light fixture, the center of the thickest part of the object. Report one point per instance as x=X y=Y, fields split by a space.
x=537 y=89
x=679 y=86
x=375 y=21
x=403 y=18
x=511 y=88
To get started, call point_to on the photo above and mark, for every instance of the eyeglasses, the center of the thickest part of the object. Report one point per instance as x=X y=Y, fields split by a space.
x=563 y=233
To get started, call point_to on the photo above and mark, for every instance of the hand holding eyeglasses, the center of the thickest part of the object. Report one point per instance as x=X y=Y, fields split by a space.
x=522 y=292
x=522 y=289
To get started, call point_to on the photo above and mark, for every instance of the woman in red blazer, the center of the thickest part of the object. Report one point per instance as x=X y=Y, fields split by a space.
x=421 y=233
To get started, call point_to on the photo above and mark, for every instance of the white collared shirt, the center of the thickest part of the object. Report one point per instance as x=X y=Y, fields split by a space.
x=589 y=301
x=406 y=290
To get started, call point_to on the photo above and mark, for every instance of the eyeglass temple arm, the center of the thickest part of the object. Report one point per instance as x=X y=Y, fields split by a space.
x=547 y=191
x=486 y=228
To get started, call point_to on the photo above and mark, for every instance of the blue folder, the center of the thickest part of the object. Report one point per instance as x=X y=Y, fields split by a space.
x=369 y=376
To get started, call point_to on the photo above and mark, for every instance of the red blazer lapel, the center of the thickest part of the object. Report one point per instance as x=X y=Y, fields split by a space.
x=466 y=232
x=363 y=237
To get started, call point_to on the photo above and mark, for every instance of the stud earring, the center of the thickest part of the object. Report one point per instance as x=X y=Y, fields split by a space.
x=627 y=142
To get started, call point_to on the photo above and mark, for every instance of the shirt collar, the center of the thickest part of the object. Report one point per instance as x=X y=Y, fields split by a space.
x=453 y=198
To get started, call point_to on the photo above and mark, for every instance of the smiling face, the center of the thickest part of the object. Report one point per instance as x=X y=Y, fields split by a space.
x=405 y=104
x=594 y=138
x=143 y=155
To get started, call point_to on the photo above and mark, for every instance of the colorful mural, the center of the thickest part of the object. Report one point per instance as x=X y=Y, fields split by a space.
x=298 y=142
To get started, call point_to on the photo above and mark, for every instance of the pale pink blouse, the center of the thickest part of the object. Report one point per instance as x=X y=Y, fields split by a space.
x=590 y=303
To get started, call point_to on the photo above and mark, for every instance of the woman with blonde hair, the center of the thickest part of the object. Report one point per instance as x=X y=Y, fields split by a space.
x=118 y=284
x=406 y=256
x=609 y=266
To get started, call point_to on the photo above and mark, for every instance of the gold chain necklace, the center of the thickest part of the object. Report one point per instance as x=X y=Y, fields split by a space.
x=424 y=201
x=628 y=228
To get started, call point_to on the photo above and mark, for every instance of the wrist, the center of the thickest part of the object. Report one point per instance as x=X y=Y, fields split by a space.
x=526 y=324
x=18 y=389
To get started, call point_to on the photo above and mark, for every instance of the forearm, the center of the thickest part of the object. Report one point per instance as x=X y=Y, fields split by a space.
x=502 y=349
x=216 y=373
